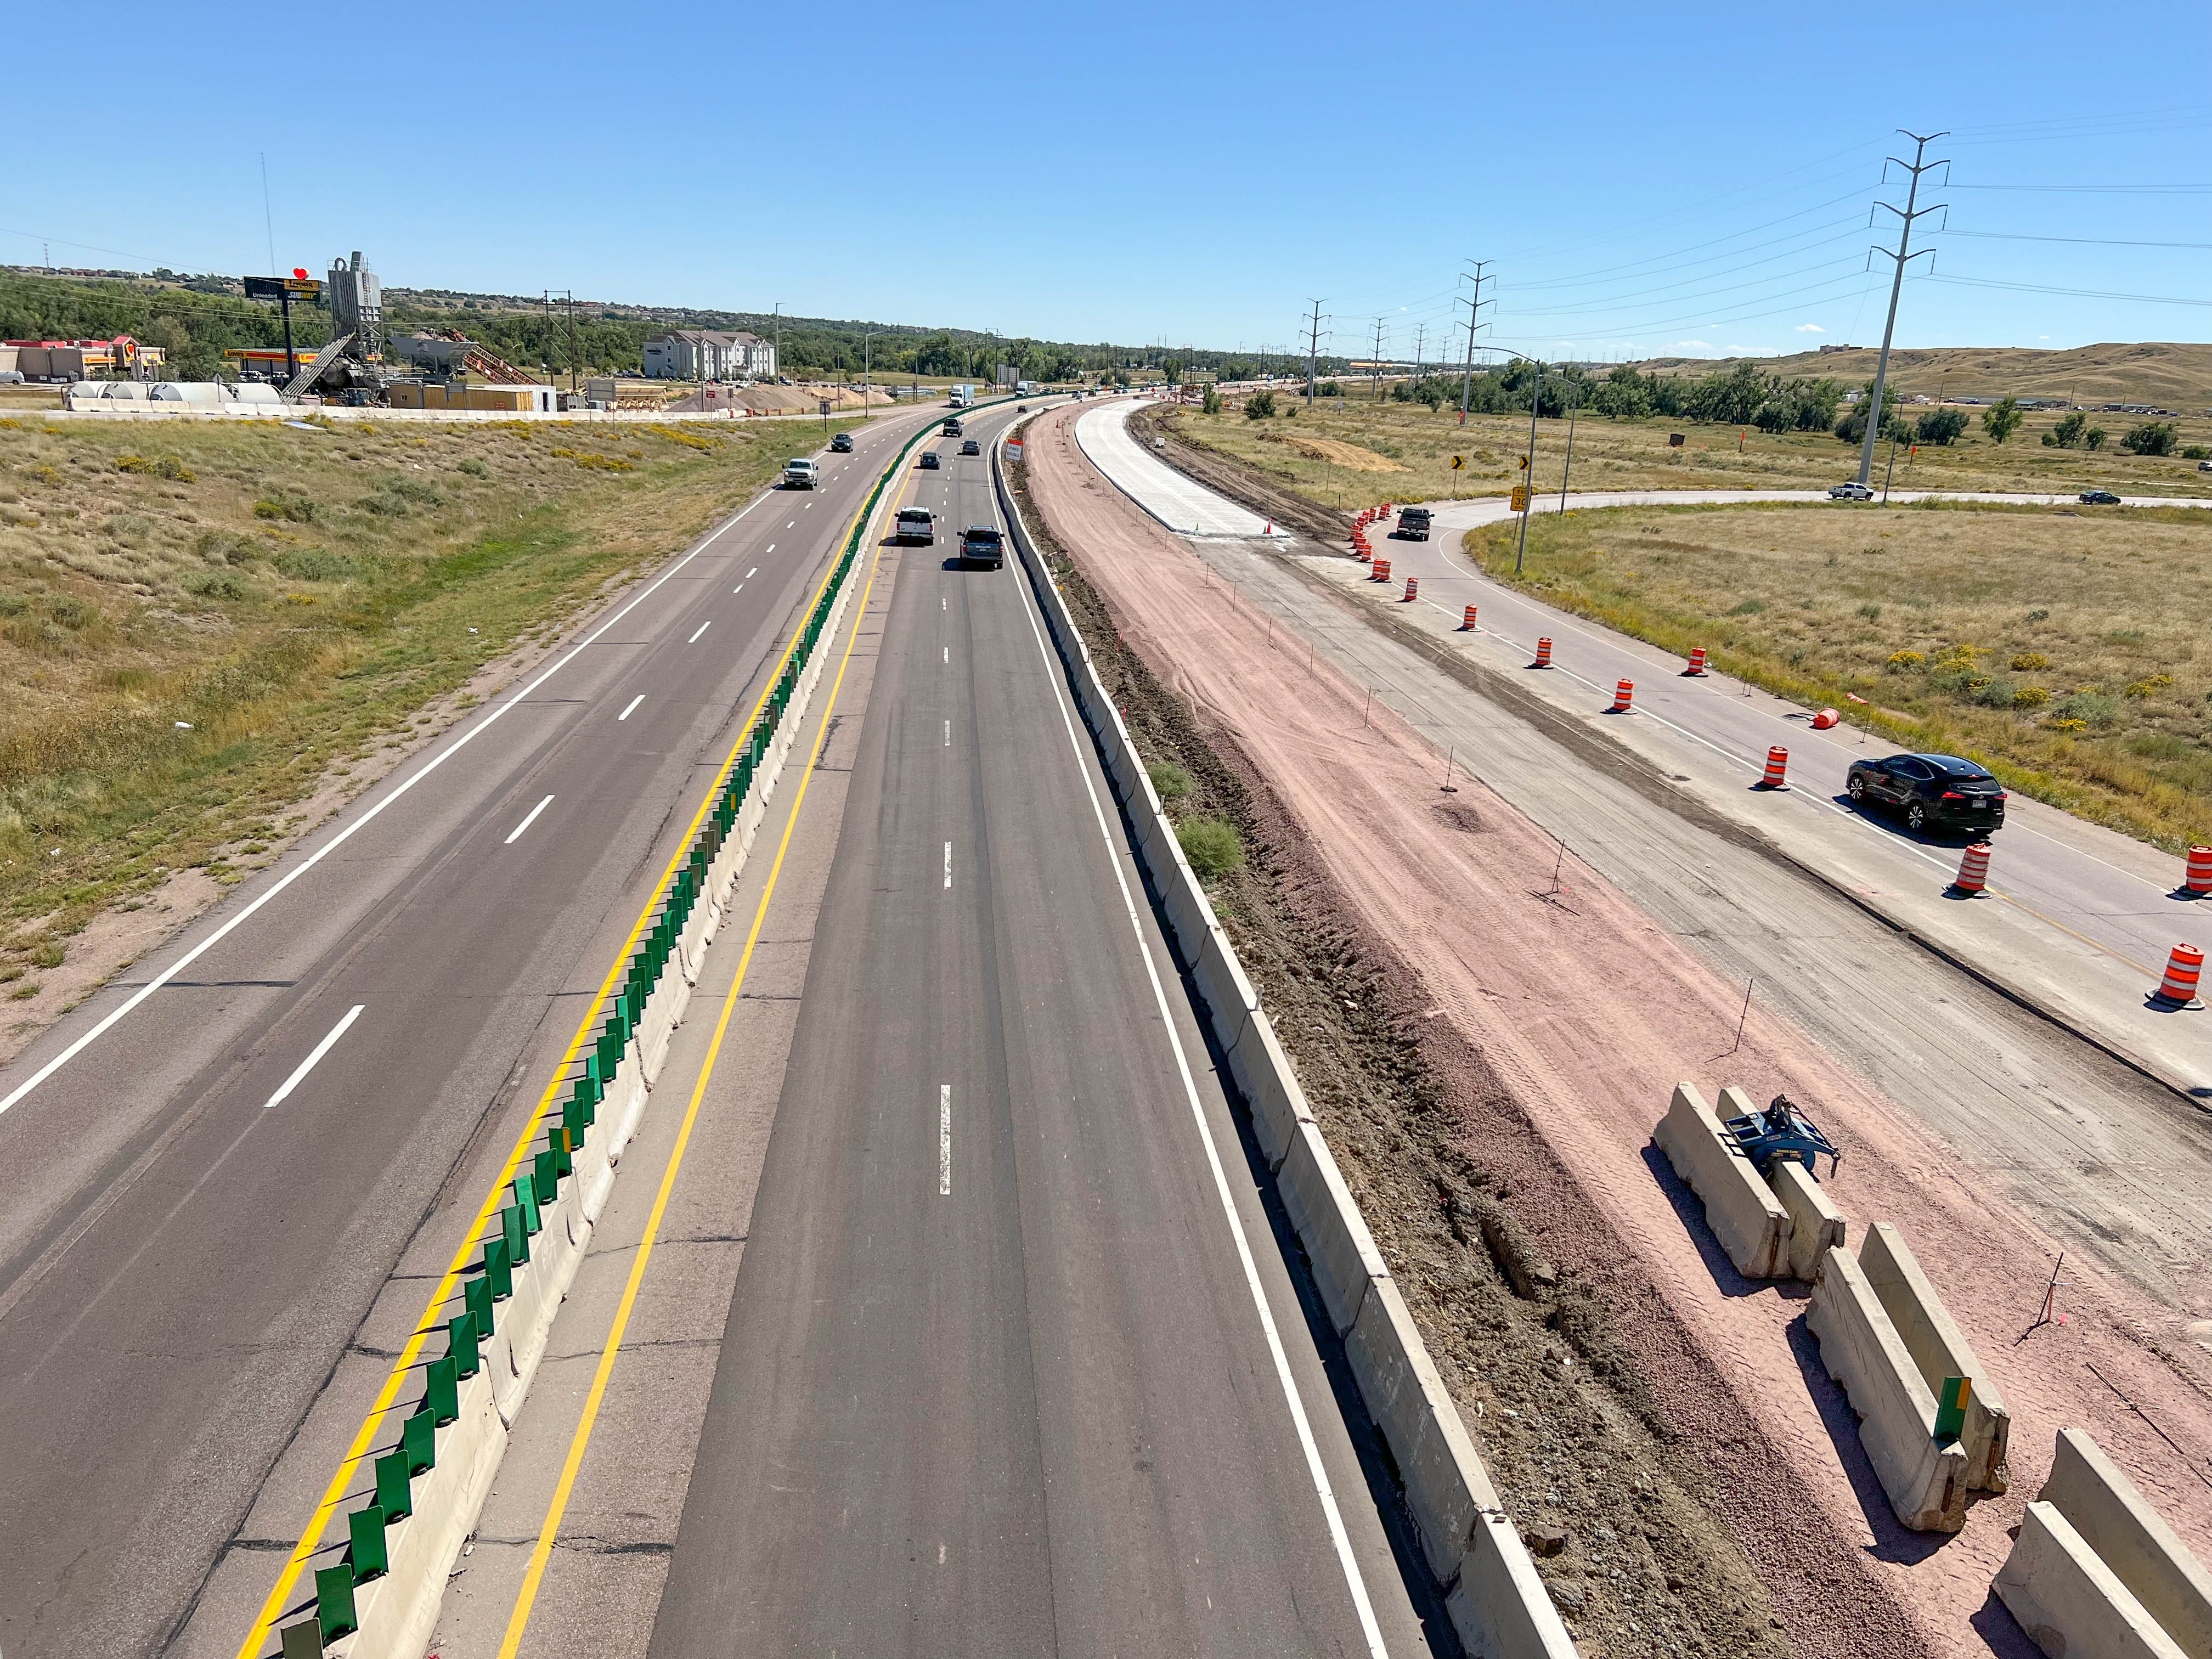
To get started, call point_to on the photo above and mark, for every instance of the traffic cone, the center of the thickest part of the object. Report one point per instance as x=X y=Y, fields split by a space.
x=2198 y=882
x=1777 y=763
x=2183 y=968
x=1623 y=693
x=1543 y=654
x=1973 y=870
x=1412 y=588
x=1382 y=570
x=1467 y=627
x=1697 y=668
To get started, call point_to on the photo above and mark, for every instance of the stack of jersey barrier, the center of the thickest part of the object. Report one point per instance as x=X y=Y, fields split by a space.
x=2096 y=1572
x=380 y=1600
x=1497 y=1601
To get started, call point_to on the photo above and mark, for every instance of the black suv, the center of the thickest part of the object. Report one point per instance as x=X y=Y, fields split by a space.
x=1931 y=791
x=981 y=545
x=841 y=444
x=929 y=461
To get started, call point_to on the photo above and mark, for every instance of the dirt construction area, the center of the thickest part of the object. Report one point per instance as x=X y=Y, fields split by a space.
x=1489 y=1032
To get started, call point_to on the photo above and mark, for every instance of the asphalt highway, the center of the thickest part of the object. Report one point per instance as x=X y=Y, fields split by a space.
x=205 y=1195
x=1013 y=1363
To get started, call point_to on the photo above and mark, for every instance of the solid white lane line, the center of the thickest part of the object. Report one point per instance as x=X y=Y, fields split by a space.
x=944 y=1140
x=703 y=626
x=1314 y=1469
x=632 y=710
x=531 y=818
x=948 y=865
x=108 y=1020
x=313 y=1055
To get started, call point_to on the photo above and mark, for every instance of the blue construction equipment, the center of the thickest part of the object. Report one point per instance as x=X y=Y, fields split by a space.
x=1780 y=1130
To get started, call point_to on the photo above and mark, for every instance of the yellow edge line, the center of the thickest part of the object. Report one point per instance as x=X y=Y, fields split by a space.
x=542 y=1551
x=310 y=1541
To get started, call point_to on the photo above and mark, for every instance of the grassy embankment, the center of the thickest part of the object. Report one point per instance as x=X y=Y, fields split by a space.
x=2072 y=654
x=296 y=598
x=1366 y=453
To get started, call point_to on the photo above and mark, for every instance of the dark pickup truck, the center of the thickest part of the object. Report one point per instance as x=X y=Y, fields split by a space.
x=1413 y=524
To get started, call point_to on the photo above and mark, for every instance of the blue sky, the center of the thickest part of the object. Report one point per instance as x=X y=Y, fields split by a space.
x=1645 y=179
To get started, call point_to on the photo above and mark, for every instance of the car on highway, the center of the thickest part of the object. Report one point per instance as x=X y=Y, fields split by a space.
x=841 y=444
x=1413 y=524
x=1021 y=408
x=952 y=426
x=980 y=545
x=1938 y=791
x=915 y=524
x=2099 y=498
x=801 y=473
x=930 y=462
x=971 y=447
x=1849 y=492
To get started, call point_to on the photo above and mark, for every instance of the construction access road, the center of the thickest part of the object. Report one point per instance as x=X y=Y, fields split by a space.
x=216 y=1162
x=1590 y=928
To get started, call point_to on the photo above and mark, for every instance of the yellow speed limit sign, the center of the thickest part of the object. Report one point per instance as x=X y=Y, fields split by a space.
x=1519 y=498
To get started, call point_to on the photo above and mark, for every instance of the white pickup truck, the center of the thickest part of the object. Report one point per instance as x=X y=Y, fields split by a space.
x=800 y=473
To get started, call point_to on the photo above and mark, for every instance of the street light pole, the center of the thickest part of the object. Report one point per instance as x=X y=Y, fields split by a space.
x=1528 y=494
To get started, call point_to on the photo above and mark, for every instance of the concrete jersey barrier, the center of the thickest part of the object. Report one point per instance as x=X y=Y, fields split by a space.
x=2133 y=1543
x=2070 y=1602
x=1940 y=1350
x=1495 y=1600
x=1745 y=1215
x=1926 y=1483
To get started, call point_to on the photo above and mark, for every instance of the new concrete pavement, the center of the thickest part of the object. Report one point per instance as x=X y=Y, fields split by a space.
x=207 y=1194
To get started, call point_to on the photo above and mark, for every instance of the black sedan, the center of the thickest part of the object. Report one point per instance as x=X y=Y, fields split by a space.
x=2099 y=498
x=841 y=444
x=1932 y=791
x=929 y=461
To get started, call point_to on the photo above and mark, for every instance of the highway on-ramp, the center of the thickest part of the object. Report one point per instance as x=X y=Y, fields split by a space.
x=214 y=1163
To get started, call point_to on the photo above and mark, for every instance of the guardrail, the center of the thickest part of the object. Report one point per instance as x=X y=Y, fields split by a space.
x=1498 y=1602
x=381 y=1600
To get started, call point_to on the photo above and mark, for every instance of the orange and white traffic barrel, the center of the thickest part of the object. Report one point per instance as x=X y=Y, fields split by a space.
x=1974 y=869
x=1412 y=588
x=1697 y=667
x=1382 y=570
x=2199 y=879
x=1543 y=654
x=1467 y=627
x=1778 y=767
x=2183 y=969
x=1623 y=693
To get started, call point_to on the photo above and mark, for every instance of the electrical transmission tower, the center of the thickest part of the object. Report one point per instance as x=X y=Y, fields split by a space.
x=1911 y=210
x=1473 y=307
x=1313 y=350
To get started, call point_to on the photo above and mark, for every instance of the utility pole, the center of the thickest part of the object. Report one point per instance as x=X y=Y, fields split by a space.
x=1420 y=335
x=1570 y=466
x=1912 y=210
x=546 y=355
x=1473 y=307
x=1529 y=495
x=867 y=369
x=778 y=315
x=576 y=346
x=1377 y=371
x=1313 y=351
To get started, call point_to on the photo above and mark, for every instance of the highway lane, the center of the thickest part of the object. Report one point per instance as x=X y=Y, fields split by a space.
x=196 y=1219
x=1000 y=1371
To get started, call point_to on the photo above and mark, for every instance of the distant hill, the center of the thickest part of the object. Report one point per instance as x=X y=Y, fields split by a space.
x=2169 y=374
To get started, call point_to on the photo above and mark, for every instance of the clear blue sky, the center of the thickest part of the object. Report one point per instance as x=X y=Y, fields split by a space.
x=1644 y=177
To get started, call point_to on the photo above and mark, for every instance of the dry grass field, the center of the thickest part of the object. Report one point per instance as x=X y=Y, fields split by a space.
x=2167 y=374
x=196 y=621
x=2070 y=652
x=1364 y=453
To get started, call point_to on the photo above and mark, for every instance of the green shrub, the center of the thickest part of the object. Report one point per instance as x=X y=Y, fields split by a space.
x=2030 y=696
x=1259 y=406
x=173 y=468
x=1211 y=846
x=218 y=585
x=315 y=564
x=1901 y=660
x=418 y=491
x=2026 y=662
x=475 y=468
x=1747 y=608
x=298 y=509
x=2091 y=708
x=2197 y=452
x=71 y=613
x=1169 y=781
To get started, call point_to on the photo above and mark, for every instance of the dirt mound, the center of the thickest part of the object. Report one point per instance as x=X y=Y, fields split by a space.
x=1337 y=453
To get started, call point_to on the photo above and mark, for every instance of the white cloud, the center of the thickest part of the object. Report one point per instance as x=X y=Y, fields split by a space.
x=1702 y=345
x=1810 y=328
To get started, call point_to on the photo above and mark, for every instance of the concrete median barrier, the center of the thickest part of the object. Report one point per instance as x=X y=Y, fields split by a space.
x=1940 y=1350
x=1926 y=1483
x=2070 y=1602
x=2128 y=1539
x=1816 y=1225
x=1497 y=1602
x=1745 y=1215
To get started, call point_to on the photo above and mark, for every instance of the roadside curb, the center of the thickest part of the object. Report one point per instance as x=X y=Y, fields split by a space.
x=1497 y=1601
